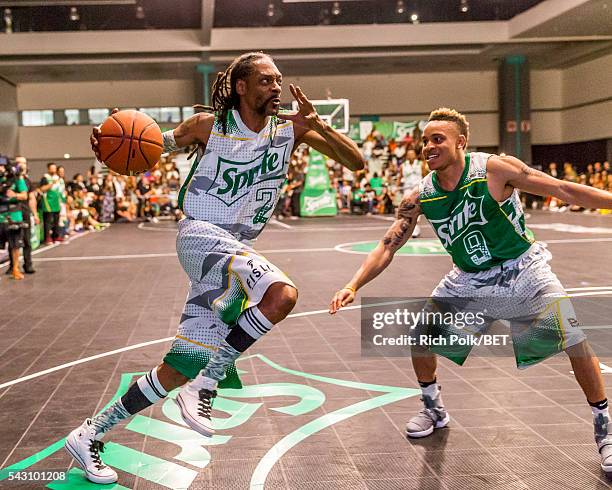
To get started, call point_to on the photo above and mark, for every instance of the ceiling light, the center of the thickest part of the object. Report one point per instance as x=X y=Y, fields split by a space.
x=324 y=17
x=270 y=12
x=66 y=155
x=336 y=9
x=140 y=13
x=400 y=7
x=414 y=18
x=74 y=14
x=464 y=6
x=8 y=21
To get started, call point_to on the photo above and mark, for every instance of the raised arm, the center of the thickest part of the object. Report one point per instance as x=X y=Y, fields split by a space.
x=380 y=258
x=193 y=130
x=312 y=130
x=512 y=172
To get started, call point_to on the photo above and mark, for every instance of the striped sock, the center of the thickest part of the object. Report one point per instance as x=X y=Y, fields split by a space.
x=251 y=325
x=254 y=322
x=145 y=392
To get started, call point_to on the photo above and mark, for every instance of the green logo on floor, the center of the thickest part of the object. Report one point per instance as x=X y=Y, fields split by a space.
x=190 y=450
x=412 y=247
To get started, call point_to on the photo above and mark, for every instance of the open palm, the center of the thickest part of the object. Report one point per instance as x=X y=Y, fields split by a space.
x=306 y=115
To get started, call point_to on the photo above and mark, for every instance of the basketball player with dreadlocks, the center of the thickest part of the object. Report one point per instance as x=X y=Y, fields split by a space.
x=236 y=295
x=473 y=204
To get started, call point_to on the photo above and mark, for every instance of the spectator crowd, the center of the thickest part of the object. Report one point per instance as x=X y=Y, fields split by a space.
x=394 y=166
x=65 y=207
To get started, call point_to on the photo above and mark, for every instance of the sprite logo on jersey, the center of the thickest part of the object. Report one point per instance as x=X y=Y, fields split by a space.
x=235 y=178
x=467 y=213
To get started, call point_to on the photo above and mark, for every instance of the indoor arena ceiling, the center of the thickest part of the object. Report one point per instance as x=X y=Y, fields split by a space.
x=57 y=40
x=74 y=15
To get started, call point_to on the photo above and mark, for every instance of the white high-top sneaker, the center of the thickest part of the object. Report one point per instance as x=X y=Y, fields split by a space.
x=82 y=445
x=195 y=401
x=603 y=438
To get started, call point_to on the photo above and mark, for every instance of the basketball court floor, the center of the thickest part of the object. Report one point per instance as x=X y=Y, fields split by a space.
x=314 y=413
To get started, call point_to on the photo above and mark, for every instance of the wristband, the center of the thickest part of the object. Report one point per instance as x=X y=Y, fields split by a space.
x=169 y=141
x=351 y=289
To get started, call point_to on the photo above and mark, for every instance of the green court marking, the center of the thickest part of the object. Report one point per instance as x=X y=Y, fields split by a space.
x=277 y=451
x=76 y=481
x=412 y=247
x=188 y=440
x=310 y=398
x=32 y=460
x=147 y=467
x=191 y=446
x=124 y=384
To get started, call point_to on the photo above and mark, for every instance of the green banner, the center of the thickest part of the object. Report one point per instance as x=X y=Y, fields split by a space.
x=34 y=235
x=318 y=198
x=354 y=132
x=401 y=129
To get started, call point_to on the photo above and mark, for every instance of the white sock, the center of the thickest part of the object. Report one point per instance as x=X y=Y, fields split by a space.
x=597 y=411
x=432 y=391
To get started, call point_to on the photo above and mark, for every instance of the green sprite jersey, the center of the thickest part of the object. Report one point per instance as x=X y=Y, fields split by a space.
x=15 y=216
x=476 y=230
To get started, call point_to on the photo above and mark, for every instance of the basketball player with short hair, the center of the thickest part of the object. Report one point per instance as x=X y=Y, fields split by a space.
x=236 y=295
x=472 y=202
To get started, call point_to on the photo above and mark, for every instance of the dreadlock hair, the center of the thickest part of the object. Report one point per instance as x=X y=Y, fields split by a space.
x=224 y=95
x=197 y=108
x=446 y=114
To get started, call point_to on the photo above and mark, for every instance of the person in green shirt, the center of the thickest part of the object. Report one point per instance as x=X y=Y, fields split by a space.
x=472 y=202
x=13 y=190
x=52 y=187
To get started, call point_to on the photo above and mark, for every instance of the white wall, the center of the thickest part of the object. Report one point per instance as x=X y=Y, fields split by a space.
x=546 y=90
x=126 y=93
x=52 y=142
x=401 y=96
x=8 y=119
x=582 y=84
x=588 y=81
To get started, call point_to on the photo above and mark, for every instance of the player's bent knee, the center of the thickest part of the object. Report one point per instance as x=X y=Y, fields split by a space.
x=278 y=301
x=169 y=377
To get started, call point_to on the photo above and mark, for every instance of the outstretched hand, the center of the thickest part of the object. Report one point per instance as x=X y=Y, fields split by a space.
x=342 y=298
x=306 y=115
x=95 y=134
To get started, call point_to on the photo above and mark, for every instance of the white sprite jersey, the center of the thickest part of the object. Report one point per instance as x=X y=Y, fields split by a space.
x=236 y=183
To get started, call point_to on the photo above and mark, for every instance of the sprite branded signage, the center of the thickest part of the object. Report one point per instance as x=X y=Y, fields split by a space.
x=318 y=198
x=182 y=454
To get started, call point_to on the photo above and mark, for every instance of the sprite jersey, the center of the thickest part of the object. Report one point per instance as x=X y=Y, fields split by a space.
x=235 y=182
x=476 y=230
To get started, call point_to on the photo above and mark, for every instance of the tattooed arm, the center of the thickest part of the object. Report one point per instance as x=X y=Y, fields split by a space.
x=510 y=172
x=380 y=258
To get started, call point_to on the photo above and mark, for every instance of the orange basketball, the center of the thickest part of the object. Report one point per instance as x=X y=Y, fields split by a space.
x=130 y=142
